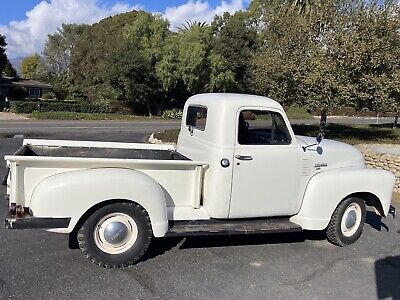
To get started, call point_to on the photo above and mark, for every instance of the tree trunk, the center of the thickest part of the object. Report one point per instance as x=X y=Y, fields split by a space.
x=149 y=108
x=396 y=119
x=322 y=122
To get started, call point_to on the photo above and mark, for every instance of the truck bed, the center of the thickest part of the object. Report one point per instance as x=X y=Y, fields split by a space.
x=97 y=152
x=179 y=177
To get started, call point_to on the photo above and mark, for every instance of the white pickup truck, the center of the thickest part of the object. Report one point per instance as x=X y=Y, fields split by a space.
x=237 y=169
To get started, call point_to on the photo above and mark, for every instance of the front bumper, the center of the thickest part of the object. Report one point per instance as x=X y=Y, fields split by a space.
x=28 y=222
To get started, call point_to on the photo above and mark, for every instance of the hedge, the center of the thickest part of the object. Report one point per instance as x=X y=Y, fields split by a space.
x=26 y=107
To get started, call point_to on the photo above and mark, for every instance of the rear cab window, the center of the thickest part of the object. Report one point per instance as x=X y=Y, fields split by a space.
x=196 y=117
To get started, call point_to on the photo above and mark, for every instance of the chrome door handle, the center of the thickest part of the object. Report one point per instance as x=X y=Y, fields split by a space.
x=244 y=157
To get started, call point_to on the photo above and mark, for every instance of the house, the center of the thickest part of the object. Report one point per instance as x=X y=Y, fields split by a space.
x=21 y=88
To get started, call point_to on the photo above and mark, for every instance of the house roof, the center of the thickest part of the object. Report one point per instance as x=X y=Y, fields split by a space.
x=17 y=82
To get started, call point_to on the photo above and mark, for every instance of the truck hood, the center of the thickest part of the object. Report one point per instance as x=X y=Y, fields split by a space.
x=329 y=154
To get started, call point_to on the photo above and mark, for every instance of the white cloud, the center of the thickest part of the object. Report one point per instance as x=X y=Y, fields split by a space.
x=199 y=10
x=29 y=35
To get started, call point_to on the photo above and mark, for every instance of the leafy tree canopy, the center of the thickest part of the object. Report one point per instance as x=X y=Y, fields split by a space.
x=3 y=56
x=30 y=67
x=9 y=70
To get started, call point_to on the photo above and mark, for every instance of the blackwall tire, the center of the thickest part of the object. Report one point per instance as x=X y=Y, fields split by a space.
x=347 y=222
x=117 y=235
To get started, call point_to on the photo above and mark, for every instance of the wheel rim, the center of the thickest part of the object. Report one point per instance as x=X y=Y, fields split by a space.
x=115 y=233
x=351 y=220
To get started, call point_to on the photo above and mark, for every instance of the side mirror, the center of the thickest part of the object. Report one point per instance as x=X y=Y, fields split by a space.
x=320 y=137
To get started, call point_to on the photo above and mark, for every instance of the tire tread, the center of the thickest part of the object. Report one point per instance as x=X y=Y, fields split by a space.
x=98 y=261
x=332 y=232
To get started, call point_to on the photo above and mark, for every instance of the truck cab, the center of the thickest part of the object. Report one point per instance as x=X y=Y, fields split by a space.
x=255 y=161
x=237 y=168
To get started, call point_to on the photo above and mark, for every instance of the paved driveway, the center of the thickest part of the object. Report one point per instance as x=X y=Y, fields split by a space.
x=37 y=264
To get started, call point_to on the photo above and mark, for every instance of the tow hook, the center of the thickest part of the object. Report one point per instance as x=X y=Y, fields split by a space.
x=392 y=211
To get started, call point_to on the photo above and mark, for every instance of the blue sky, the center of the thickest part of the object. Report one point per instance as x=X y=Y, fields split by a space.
x=15 y=10
x=27 y=23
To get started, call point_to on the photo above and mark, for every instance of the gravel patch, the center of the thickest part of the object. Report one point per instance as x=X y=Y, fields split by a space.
x=10 y=116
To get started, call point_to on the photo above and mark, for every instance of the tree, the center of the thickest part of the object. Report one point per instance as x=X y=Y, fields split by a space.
x=306 y=7
x=148 y=33
x=371 y=47
x=300 y=62
x=110 y=64
x=394 y=95
x=9 y=70
x=222 y=78
x=30 y=67
x=279 y=68
x=235 y=41
x=58 y=48
x=186 y=61
x=57 y=57
x=3 y=56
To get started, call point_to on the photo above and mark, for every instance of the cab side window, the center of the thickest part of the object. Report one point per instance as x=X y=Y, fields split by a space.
x=262 y=127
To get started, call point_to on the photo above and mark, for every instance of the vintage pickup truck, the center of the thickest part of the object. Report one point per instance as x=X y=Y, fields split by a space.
x=237 y=169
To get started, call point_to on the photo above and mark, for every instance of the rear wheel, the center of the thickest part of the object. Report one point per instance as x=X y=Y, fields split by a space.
x=116 y=235
x=347 y=222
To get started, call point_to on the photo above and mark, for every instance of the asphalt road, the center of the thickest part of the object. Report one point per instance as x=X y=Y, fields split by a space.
x=119 y=130
x=37 y=264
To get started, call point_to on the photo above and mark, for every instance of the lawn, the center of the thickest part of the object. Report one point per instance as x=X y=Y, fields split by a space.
x=61 y=115
x=351 y=134
x=298 y=113
x=292 y=112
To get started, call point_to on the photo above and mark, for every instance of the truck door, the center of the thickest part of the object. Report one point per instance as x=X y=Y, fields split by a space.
x=267 y=165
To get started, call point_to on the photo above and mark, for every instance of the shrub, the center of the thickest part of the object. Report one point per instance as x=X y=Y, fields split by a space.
x=23 y=107
x=174 y=113
x=49 y=96
x=26 y=107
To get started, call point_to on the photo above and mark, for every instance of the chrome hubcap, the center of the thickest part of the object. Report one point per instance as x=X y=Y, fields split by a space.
x=351 y=220
x=115 y=233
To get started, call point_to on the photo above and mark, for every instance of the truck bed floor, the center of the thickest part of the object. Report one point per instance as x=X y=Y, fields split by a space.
x=228 y=227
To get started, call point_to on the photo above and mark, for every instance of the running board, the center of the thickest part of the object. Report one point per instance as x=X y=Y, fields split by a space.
x=229 y=227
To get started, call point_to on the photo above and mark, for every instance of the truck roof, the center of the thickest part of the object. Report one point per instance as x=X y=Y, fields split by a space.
x=233 y=100
x=222 y=110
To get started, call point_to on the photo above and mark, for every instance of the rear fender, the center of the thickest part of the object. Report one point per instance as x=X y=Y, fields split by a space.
x=72 y=194
x=326 y=190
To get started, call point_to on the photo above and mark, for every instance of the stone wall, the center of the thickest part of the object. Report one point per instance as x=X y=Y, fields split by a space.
x=386 y=157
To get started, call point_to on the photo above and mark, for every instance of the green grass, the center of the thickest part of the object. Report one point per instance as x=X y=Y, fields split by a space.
x=168 y=136
x=61 y=115
x=351 y=134
x=298 y=113
x=292 y=113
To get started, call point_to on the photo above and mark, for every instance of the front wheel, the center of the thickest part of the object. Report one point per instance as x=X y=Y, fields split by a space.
x=116 y=235
x=347 y=222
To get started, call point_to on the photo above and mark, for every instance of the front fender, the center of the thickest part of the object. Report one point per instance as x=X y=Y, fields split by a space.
x=71 y=194
x=327 y=189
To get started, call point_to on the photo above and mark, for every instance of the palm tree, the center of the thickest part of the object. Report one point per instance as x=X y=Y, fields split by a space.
x=190 y=24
